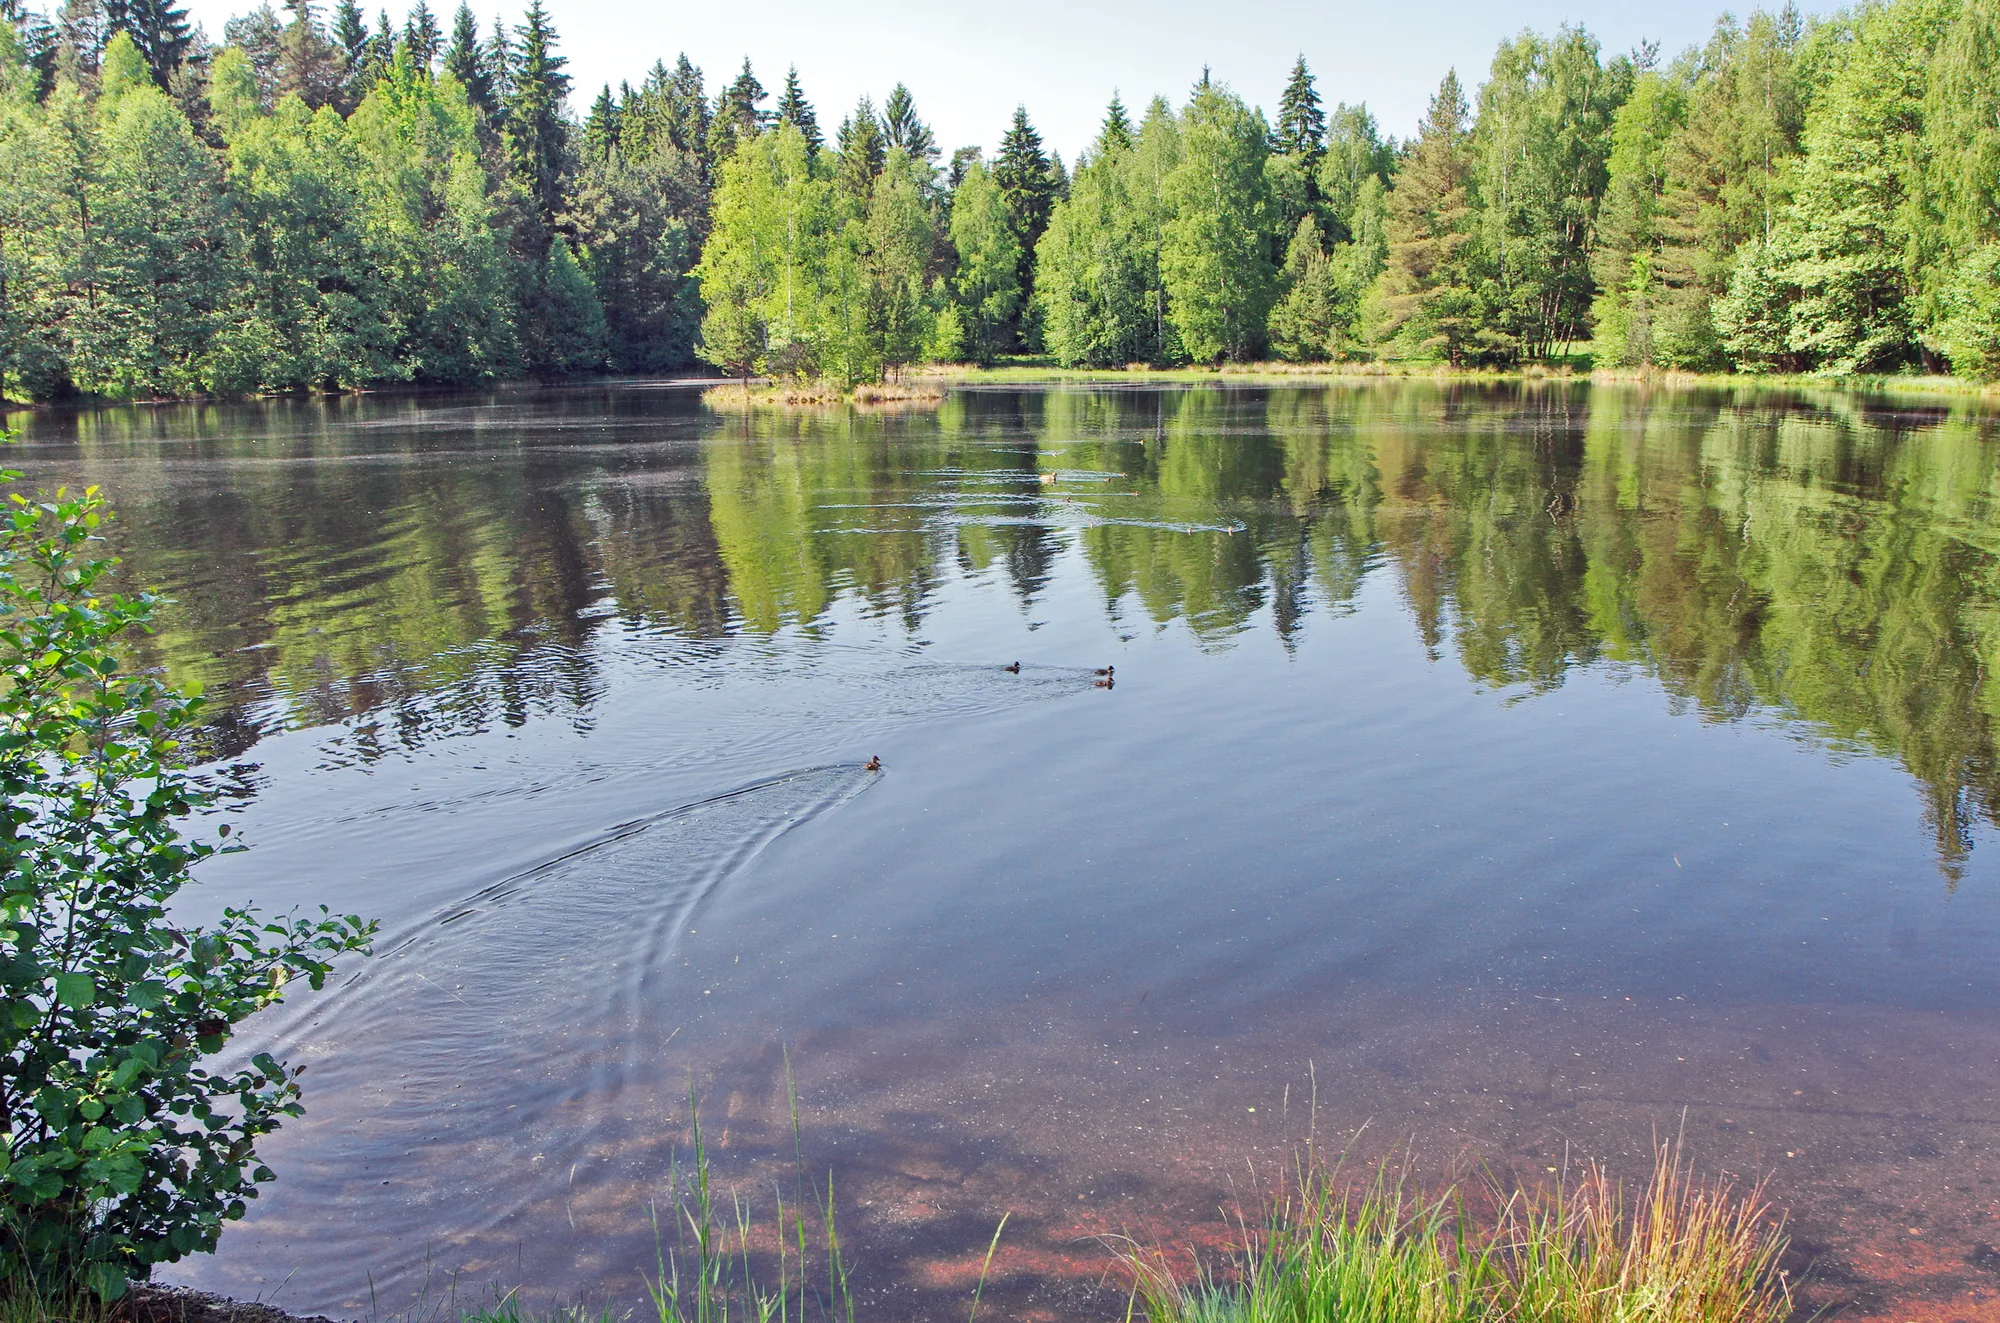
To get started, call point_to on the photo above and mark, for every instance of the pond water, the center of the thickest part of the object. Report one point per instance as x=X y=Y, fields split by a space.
x=1520 y=773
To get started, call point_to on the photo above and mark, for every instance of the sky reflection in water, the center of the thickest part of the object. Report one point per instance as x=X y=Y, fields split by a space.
x=1530 y=767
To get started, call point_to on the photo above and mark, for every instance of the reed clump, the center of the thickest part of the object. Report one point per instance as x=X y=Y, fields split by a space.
x=1687 y=1251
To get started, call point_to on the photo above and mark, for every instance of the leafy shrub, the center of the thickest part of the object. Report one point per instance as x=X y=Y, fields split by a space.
x=122 y=1145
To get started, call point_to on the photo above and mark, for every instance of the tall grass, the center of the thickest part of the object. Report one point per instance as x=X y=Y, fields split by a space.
x=1686 y=1252
x=709 y=1275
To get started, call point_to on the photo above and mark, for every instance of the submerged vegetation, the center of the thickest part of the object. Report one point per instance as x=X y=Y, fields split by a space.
x=313 y=204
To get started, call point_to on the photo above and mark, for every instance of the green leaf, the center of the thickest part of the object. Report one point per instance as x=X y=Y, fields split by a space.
x=106 y=1282
x=75 y=991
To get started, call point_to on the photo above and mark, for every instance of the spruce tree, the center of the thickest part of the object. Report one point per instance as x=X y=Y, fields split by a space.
x=465 y=60
x=794 y=109
x=687 y=110
x=498 y=62
x=423 y=36
x=1028 y=189
x=350 y=33
x=905 y=130
x=739 y=114
x=381 y=56
x=537 y=130
x=600 y=127
x=1301 y=122
x=862 y=150
x=158 y=28
x=1116 y=134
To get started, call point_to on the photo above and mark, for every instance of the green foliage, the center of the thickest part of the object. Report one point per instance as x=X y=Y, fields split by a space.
x=987 y=285
x=431 y=225
x=312 y=309
x=1854 y=235
x=565 y=319
x=1542 y=144
x=1628 y=220
x=123 y=1146
x=1434 y=294
x=1096 y=267
x=1310 y=322
x=170 y=228
x=1028 y=188
x=1968 y=321
x=1214 y=252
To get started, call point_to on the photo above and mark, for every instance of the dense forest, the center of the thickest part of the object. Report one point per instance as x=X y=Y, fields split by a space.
x=320 y=202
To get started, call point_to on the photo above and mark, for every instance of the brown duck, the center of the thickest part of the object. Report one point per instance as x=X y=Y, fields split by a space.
x=1015 y=669
x=872 y=765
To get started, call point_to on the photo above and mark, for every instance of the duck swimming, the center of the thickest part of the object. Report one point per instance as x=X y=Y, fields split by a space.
x=1015 y=669
x=872 y=765
x=1104 y=684
x=1105 y=670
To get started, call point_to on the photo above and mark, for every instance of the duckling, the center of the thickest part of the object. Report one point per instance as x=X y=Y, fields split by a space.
x=1103 y=684
x=873 y=765
x=1015 y=669
x=1105 y=670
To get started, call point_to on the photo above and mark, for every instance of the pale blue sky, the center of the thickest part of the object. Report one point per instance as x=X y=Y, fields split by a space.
x=968 y=64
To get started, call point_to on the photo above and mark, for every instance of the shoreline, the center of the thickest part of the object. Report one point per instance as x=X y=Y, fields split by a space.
x=927 y=385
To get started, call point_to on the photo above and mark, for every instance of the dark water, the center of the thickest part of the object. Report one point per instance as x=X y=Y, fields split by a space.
x=1530 y=772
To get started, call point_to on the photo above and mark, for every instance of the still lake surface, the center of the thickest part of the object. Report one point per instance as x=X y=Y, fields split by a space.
x=1526 y=772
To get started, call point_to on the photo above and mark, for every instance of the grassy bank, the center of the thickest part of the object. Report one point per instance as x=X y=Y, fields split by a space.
x=1573 y=368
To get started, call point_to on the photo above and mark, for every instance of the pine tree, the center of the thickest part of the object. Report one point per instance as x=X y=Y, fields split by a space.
x=1026 y=187
x=423 y=36
x=80 y=38
x=260 y=36
x=160 y=30
x=794 y=109
x=862 y=150
x=1429 y=292
x=309 y=66
x=1301 y=122
x=903 y=129
x=537 y=130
